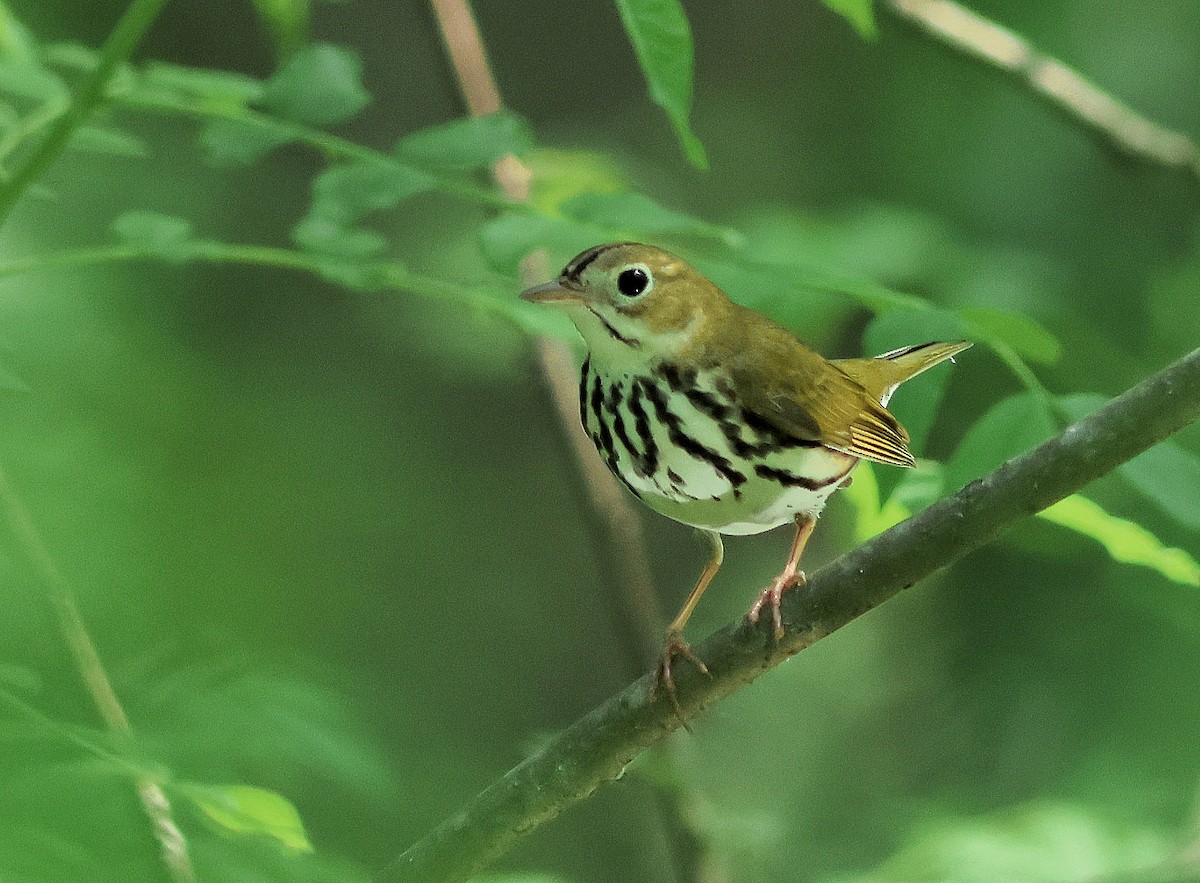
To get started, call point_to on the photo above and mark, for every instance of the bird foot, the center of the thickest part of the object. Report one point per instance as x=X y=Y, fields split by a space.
x=675 y=646
x=772 y=595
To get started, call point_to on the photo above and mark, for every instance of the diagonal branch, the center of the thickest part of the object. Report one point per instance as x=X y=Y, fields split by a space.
x=598 y=747
x=1064 y=88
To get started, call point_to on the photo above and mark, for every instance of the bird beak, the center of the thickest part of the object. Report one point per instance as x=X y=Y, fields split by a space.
x=550 y=293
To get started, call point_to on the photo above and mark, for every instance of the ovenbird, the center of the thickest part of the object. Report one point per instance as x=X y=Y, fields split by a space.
x=716 y=416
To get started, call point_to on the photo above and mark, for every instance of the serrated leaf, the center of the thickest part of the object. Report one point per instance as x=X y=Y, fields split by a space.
x=662 y=41
x=244 y=809
x=287 y=22
x=1167 y=474
x=1125 y=541
x=1010 y=427
x=860 y=14
x=469 y=143
x=195 y=82
x=231 y=142
x=629 y=213
x=1027 y=337
x=320 y=85
x=109 y=142
x=163 y=236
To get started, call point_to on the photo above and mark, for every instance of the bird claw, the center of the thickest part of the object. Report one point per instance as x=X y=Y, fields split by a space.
x=772 y=596
x=674 y=646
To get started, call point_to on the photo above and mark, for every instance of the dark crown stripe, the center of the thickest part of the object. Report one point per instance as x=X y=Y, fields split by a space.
x=687 y=444
x=581 y=262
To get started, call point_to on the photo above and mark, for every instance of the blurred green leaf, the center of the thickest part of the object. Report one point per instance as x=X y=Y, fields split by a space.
x=320 y=85
x=1028 y=338
x=343 y=194
x=468 y=143
x=860 y=14
x=519 y=878
x=662 y=40
x=631 y=213
x=231 y=142
x=110 y=142
x=1125 y=541
x=1010 y=427
x=244 y=809
x=1167 y=474
x=20 y=677
x=207 y=83
x=287 y=22
x=27 y=78
x=1036 y=843
x=73 y=56
x=560 y=175
x=15 y=40
x=509 y=237
x=163 y=236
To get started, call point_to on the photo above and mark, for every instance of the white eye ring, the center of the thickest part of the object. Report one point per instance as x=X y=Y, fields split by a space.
x=634 y=280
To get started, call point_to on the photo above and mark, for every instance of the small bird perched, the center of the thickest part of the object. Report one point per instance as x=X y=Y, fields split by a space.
x=716 y=416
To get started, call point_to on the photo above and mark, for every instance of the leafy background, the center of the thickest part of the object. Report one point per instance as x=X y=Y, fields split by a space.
x=270 y=401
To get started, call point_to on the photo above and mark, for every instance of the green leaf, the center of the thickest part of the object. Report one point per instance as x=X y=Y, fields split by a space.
x=1026 y=337
x=860 y=14
x=231 y=142
x=1010 y=427
x=325 y=237
x=24 y=78
x=1125 y=541
x=469 y=143
x=320 y=85
x=244 y=809
x=110 y=142
x=287 y=22
x=560 y=175
x=347 y=192
x=1167 y=475
x=15 y=40
x=72 y=56
x=632 y=214
x=509 y=237
x=163 y=236
x=662 y=41
x=194 y=82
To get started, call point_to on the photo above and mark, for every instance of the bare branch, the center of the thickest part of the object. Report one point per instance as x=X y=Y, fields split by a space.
x=598 y=747
x=1063 y=87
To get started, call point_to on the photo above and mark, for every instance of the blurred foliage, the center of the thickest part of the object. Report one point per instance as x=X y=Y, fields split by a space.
x=309 y=517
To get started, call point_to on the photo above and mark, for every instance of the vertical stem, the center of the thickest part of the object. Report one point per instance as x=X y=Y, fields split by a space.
x=154 y=801
x=617 y=534
x=117 y=48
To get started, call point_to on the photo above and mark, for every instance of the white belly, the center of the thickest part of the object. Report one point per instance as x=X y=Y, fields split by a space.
x=694 y=458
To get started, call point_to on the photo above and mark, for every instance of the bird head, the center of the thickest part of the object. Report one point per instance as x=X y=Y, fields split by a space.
x=633 y=301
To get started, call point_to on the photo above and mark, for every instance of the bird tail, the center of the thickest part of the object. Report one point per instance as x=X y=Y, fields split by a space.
x=882 y=374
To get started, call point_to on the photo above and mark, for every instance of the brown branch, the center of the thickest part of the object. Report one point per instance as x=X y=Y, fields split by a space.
x=597 y=748
x=1064 y=88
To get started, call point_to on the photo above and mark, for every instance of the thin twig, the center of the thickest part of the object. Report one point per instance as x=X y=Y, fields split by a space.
x=172 y=844
x=1081 y=100
x=597 y=748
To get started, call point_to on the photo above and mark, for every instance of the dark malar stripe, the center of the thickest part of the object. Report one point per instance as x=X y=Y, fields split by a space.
x=686 y=443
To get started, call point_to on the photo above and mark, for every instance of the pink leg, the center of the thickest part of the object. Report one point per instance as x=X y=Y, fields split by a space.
x=791 y=576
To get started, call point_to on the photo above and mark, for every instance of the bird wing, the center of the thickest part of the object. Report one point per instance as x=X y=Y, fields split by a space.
x=805 y=396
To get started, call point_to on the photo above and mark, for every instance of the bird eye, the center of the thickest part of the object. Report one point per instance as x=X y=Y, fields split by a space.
x=633 y=281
